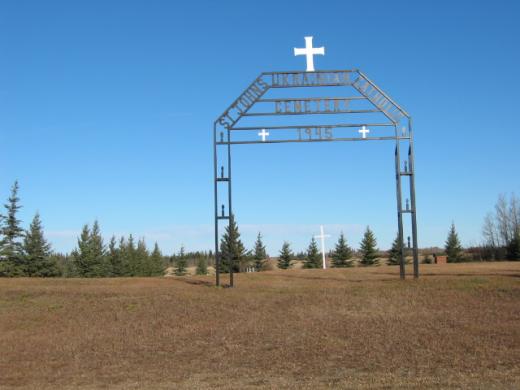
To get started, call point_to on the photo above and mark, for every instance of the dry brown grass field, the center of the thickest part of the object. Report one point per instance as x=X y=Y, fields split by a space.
x=458 y=326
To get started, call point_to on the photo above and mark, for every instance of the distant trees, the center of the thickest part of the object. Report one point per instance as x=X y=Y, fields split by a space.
x=513 y=249
x=501 y=229
x=259 y=254
x=115 y=257
x=312 y=260
x=202 y=266
x=286 y=256
x=28 y=253
x=155 y=262
x=91 y=258
x=342 y=254
x=368 y=249
x=180 y=264
x=453 y=247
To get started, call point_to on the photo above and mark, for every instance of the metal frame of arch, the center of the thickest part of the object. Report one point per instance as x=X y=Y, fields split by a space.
x=376 y=102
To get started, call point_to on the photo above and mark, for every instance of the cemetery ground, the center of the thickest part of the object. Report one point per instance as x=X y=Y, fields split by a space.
x=458 y=326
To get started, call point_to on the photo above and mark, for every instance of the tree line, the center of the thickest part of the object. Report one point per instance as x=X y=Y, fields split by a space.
x=28 y=253
x=232 y=250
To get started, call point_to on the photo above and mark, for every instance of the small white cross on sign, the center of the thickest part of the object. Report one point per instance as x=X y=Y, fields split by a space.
x=263 y=134
x=309 y=52
x=363 y=131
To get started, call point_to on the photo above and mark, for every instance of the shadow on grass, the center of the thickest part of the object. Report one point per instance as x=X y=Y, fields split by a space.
x=342 y=279
x=196 y=282
x=459 y=274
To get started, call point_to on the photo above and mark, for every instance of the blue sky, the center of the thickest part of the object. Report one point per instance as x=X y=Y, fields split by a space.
x=106 y=112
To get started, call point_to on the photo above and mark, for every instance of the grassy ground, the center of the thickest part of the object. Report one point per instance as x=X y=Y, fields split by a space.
x=457 y=327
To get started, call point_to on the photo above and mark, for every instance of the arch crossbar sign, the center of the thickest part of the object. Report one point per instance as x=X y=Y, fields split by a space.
x=286 y=107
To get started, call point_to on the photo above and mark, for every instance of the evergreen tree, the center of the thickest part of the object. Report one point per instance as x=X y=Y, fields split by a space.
x=513 y=249
x=11 y=251
x=81 y=255
x=99 y=265
x=260 y=254
x=155 y=260
x=181 y=263
x=131 y=257
x=115 y=258
x=368 y=249
x=286 y=256
x=453 y=247
x=394 y=255
x=65 y=264
x=89 y=257
x=202 y=266
x=37 y=252
x=232 y=250
x=342 y=254
x=122 y=251
x=142 y=259
x=312 y=260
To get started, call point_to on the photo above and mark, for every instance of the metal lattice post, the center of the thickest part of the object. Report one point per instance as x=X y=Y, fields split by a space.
x=230 y=208
x=402 y=271
x=215 y=196
x=411 y=163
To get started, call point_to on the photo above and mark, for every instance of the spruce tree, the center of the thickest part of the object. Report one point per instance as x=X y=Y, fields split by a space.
x=453 y=247
x=286 y=256
x=232 y=250
x=11 y=251
x=122 y=251
x=99 y=265
x=37 y=252
x=115 y=258
x=181 y=263
x=312 y=260
x=260 y=254
x=368 y=249
x=81 y=255
x=202 y=266
x=142 y=259
x=89 y=257
x=342 y=254
x=131 y=257
x=155 y=261
x=394 y=255
x=65 y=264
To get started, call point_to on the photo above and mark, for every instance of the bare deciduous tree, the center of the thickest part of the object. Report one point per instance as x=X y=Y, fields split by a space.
x=499 y=229
x=489 y=231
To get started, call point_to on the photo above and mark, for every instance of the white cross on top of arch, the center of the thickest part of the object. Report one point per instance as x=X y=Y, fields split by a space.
x=309 y=52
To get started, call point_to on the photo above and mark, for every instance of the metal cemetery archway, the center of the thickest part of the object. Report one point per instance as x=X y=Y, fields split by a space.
x=366 y=101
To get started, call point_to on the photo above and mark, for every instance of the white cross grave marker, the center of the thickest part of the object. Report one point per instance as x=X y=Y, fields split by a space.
x=363 y=131
x=263 y=134
x=322 y=237
x=309 y=52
